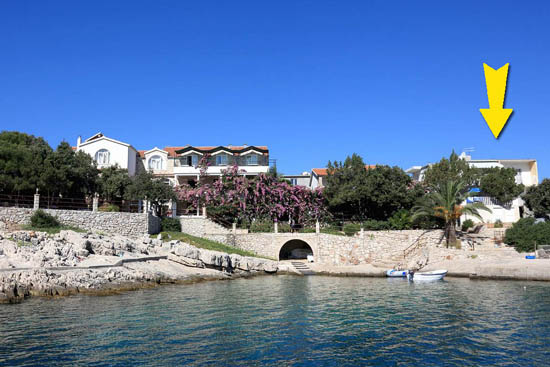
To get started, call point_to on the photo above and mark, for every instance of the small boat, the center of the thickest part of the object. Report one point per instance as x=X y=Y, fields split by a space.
x=392 y=273
x=427 y=275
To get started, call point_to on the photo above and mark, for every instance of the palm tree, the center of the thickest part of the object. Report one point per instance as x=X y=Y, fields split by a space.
x=445 y=202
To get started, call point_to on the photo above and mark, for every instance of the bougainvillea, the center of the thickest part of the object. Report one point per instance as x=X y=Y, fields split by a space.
x=258 y=198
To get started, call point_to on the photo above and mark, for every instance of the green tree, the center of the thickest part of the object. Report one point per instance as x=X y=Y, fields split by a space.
x=500 y=184
x=112 y=183
x=452 y=169
x=345 y=187
x=374 y=193
x=537 y=198
x=145 y=186
x=388 y=190
x=70 y=174
x=444 y=202
x=22 y=158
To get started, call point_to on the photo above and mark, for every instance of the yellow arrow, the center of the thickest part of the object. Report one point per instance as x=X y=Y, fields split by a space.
x=496 y=116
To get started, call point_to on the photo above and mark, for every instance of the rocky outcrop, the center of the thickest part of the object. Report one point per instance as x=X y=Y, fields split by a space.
x=37 y=264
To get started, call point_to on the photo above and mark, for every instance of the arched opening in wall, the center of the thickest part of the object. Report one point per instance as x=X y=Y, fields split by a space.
x=295 y=249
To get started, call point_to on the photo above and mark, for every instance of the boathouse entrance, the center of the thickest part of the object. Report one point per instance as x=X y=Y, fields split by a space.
x=294 y=250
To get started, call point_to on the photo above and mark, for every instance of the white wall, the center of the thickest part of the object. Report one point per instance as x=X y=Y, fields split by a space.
x=120 y=154
x=504 y=214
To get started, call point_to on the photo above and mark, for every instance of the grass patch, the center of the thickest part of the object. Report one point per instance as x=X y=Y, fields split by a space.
x=206 y=244
x=52 y=230
x=19 y=243
x=332 y=231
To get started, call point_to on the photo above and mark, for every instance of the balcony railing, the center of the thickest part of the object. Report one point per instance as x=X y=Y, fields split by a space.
x=241 y=161
x=487 y=200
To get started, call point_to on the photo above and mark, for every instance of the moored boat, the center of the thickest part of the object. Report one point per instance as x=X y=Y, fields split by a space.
x=427 y=275
x=392 y=273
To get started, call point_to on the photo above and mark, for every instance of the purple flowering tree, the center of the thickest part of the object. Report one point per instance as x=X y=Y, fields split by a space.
x=259 y=198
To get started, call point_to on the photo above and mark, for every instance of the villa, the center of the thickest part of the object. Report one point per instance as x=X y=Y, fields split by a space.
x=526 y=174
x=108 y=152
x=176 y=165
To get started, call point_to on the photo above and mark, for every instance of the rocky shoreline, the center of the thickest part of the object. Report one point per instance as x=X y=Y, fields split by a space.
x=38 y=264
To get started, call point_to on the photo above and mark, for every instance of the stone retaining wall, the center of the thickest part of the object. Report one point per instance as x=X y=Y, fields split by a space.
x=371 y=247
x=201 y=226
x=366 y=248
x=126 y=224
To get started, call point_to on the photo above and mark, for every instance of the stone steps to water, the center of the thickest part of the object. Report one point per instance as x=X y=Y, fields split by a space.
x=302 y=267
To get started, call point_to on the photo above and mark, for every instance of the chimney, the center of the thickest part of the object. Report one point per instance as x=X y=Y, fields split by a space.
x=78 y=141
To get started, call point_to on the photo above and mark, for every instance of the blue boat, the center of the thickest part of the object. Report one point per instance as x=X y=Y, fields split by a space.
x=397 y=273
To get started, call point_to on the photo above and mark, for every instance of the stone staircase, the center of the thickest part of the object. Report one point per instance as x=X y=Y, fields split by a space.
x=302 y=267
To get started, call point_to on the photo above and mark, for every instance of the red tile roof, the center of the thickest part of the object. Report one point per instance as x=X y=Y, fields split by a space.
x=172 y=150
x=323 y=171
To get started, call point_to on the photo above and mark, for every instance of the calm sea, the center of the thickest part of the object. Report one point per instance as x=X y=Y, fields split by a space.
x=287 y=321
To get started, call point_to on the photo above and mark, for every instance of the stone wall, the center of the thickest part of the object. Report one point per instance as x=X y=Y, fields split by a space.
x=201 y=226
x=371 y=247
x=126 y=224
x=381 y=247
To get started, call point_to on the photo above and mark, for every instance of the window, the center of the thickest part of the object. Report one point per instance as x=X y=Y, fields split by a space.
x=221 y=160
x=155 y=162
x=294 y=181
x=252 y=159
x=192 y=160
x=102 y=157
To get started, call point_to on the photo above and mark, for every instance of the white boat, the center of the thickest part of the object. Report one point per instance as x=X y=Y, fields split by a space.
x=427 y=275
x=392 y=273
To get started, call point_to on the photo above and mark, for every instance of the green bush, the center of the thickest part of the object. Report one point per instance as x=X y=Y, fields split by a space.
x=170 y=225
x=109 y=208
x=400 y=220
x=41 y=219
x=428 y=223
x=498 y=224
x=525 y=233
x=262 y=226
x=350 y=229
x=468 y=223
x=376 y=225
x=284 y=227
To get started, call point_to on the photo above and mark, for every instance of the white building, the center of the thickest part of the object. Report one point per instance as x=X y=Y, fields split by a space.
x=107 y=152
x=177 y=165
x=526 y=174
x=299 y=180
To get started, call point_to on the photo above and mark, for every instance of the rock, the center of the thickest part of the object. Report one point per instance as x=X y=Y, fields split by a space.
x=83 y=252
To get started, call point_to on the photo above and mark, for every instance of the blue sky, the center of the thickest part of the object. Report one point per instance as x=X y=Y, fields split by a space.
x=400 y=83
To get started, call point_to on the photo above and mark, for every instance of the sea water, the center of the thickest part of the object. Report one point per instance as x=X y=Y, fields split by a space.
x=287 y=321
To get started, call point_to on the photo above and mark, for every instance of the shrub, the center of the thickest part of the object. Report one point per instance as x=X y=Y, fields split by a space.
x=351 y=229
x=468 y=223
x=428 y=222
x=498 y=224
x=262 y=226
x=284 y=227
x=458 y=244
x=400 y=220
x=376 y=225
x=170 y=225
x=41 y=219
x=525 y=233
x=109 y=208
